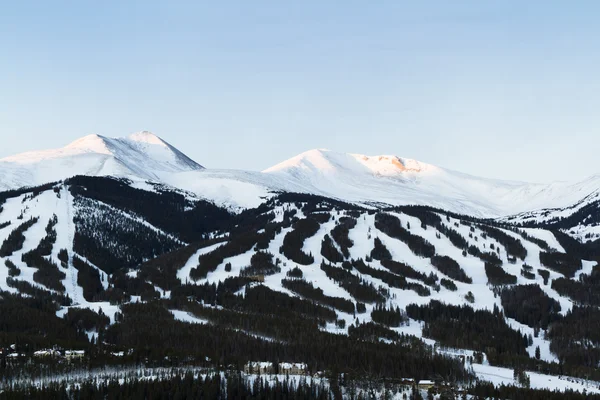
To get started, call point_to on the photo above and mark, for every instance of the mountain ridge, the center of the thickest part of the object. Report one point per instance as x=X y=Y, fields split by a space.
x=368 y=180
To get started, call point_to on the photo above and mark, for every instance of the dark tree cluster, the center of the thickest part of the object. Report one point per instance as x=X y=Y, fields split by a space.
x=513 y=246
x=294 y=241
x=542 y=244
x=47 y=242
x=575 y=338
x=261 y=263
x=162 y=270
x=88 y=278
x=16 y=239
x=563 y=263
x=392 y=280
x=484 y=256
x=353 y=284
x=261 y=299
x=545 y=274
x=114 y=241
x=48 y=273
x=340 y=234
x=237 y=245
x=178 y=386
x=530 y=305
x=448 y=284
x=466 y=328
x=84 y=319
x=307 y=290
x=13 y=270
x=380 y=251
x=449 y=267
x=294 y=273
x=391 y=226
x=32 y=323
x=585 y=291
x=409 y=272
x=389 y=316
x=168 y=210
x=498 y=276
x=329 y=251
x=56 y=300
x=372 y=332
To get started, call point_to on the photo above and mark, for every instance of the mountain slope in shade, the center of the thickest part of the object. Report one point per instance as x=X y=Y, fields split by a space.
x=141 y=155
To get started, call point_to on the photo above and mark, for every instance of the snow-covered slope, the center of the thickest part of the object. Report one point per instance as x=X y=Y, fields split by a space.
x=369 y=180
x=141 y=155
x=395 y=180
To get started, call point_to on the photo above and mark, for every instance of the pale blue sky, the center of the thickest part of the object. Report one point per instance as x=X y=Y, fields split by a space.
x=507 y=89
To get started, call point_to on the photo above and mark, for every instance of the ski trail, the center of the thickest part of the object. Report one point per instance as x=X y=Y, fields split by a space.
x=71 y=234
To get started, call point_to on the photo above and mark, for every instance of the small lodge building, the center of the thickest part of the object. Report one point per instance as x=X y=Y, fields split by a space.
x=292 y=368
x=259 y=367
x=72 y=355
x=425 y=384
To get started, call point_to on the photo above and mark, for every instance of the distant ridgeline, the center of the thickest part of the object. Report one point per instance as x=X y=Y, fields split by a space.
x=165 y=278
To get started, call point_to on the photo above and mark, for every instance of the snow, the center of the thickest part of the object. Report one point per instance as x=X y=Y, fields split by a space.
x=145 y=158
x=185 y=316
x=499 y=376
x=140 y=156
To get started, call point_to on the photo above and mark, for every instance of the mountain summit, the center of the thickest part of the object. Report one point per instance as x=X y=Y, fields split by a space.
x=140 y=155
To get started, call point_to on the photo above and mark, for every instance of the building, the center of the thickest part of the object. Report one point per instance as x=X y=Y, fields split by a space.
x=425 y=384
x=259 y=367
x=292 y=368
x=47 y=353
x=72 y=355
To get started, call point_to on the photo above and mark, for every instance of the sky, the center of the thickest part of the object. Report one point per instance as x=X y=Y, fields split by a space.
x=500 y=89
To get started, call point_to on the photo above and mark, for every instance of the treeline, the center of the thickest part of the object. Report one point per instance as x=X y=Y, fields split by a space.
x=380 y=251
x=391 y=279
x=89 y=279
x=261 y=263
x=173 y=212
x=389 y=316
x=513 y=246
x=151 y=330
x=307 y=290
x=237 y=245
x=530 y=305
x=498 y=276
x=329 y=251
x=585 y=291
x=563 y=263
x=575 y=338
x=31 y=323
x=360 y=289
x=449 y=267
x=113 y=241
x=409 y=272
x=16 y=239
x=391 y=226
x=340 y=234
x=466 y=328
x=294 y=241
x=179 y=386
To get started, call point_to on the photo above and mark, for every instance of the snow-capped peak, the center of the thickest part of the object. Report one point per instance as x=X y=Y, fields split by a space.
x=323 y=161
x=147 y=137
x=91 y=143
x=141 y=155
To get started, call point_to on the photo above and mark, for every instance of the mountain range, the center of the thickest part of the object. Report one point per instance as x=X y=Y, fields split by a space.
x=378 y=264
x=372 y=181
